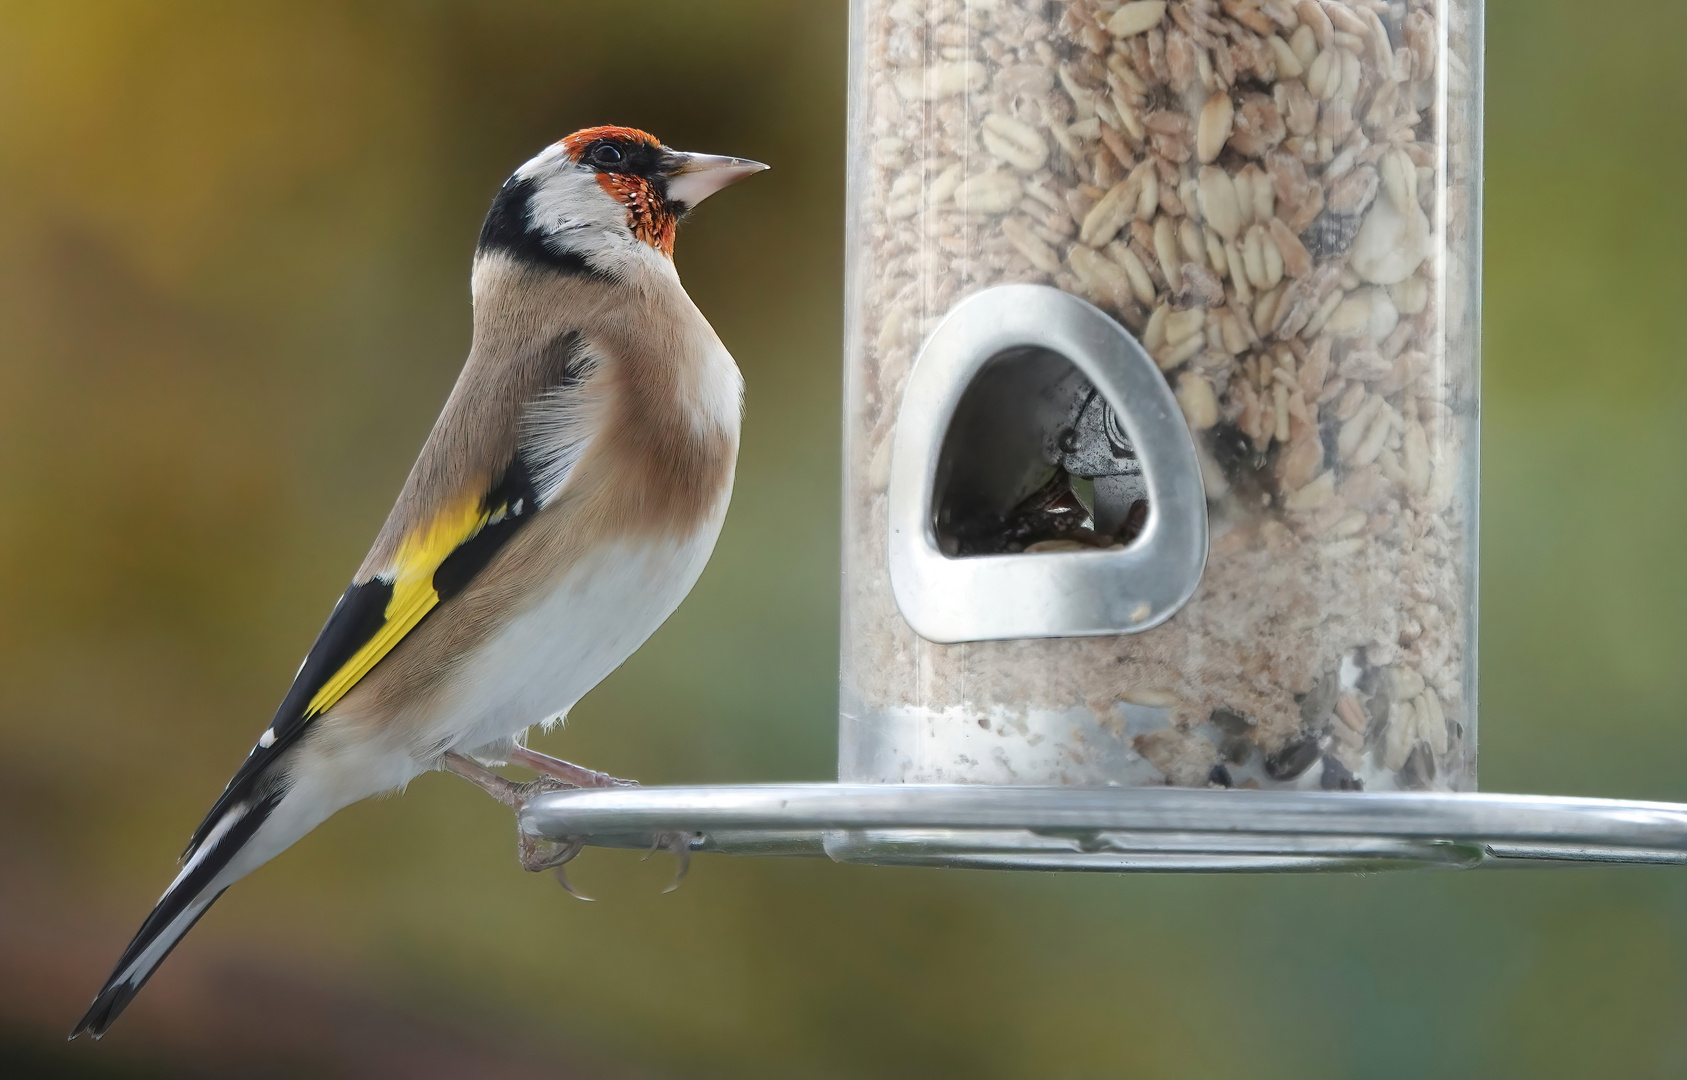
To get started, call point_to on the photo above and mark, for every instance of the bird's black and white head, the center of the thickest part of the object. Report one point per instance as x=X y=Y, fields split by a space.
x=602 y=197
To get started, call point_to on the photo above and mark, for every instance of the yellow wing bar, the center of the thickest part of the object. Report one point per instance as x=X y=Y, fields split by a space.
x=413 y=593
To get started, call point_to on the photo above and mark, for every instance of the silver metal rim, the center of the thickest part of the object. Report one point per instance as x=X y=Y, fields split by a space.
x=1120 y=829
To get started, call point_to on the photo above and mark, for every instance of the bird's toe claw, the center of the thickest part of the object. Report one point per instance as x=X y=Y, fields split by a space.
x=678 y=845
x=561 y=875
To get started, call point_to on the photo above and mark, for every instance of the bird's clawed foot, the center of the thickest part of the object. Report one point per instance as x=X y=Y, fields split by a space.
x=679 y=846
x=538 y=855
x=676 y=844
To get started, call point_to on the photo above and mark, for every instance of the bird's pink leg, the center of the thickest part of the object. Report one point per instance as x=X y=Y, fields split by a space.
x=505 y=791
x=567 y=772
x=535 y=855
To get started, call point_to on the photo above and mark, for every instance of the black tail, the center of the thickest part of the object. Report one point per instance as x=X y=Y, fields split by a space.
x=181 y=906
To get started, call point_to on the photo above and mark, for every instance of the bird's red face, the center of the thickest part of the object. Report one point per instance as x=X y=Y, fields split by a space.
x=656 y=185
x=597 y=199
x=630 y=167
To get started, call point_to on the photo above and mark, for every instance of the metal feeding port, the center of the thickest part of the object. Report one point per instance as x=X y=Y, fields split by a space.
x=1021 y=391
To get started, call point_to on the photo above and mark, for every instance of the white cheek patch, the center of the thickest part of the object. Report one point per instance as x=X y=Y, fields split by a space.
x=574 y=213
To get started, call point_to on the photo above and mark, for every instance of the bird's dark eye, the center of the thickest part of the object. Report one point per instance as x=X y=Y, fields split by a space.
x=607 y=154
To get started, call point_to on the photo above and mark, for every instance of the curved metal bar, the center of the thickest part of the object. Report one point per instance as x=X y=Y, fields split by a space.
x=1121 y=828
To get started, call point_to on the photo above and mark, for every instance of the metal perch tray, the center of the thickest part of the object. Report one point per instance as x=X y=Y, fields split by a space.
x=1121 y=829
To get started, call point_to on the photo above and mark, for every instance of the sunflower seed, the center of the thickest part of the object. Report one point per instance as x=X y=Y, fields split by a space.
x=1136 y=17
x=1304 y=42
x=1324 y=76
x=1213 y=129
x=1312 y=16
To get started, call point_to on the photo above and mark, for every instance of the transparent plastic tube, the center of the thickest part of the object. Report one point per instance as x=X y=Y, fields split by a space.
x=1281 y=202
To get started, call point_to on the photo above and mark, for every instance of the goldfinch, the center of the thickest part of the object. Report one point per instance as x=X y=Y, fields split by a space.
x=562 y=507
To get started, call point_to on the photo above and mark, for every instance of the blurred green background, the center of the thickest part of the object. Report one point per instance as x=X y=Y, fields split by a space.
x=234 y=245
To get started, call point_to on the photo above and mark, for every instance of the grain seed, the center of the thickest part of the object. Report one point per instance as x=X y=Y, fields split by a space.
x=1415 y=448
x=1371 y=445
x=1324 y=75
x=1273 y=257
x=1347 y=90
x=1165 y=250
x=1142 y=285
x=1213 y=130
x=1391 y=244
x=1105 y=279
x=1032 y=247
x=1200 y=404
x=942 y=80
x=1253 y=259
x=1410 y=296
x=1108 y=216
x=1175 y=355
x=1399 y=180
x=1015 y=142
x=1136 y=17
x=1191 y=243
x=1311 y=15
x=1300 y=463
x=1148 y=197
x=1288 y=64
x=1184 y=325
x=1218 y=202
x=1263 y=193
x=1304 y=42
x=1297 y=263
x=1244 y=185
x=1315 y=494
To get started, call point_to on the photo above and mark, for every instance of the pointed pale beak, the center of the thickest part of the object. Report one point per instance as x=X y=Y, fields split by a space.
x=694 y=177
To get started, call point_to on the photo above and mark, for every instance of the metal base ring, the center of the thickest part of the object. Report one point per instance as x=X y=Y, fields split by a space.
x=1121 y=829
